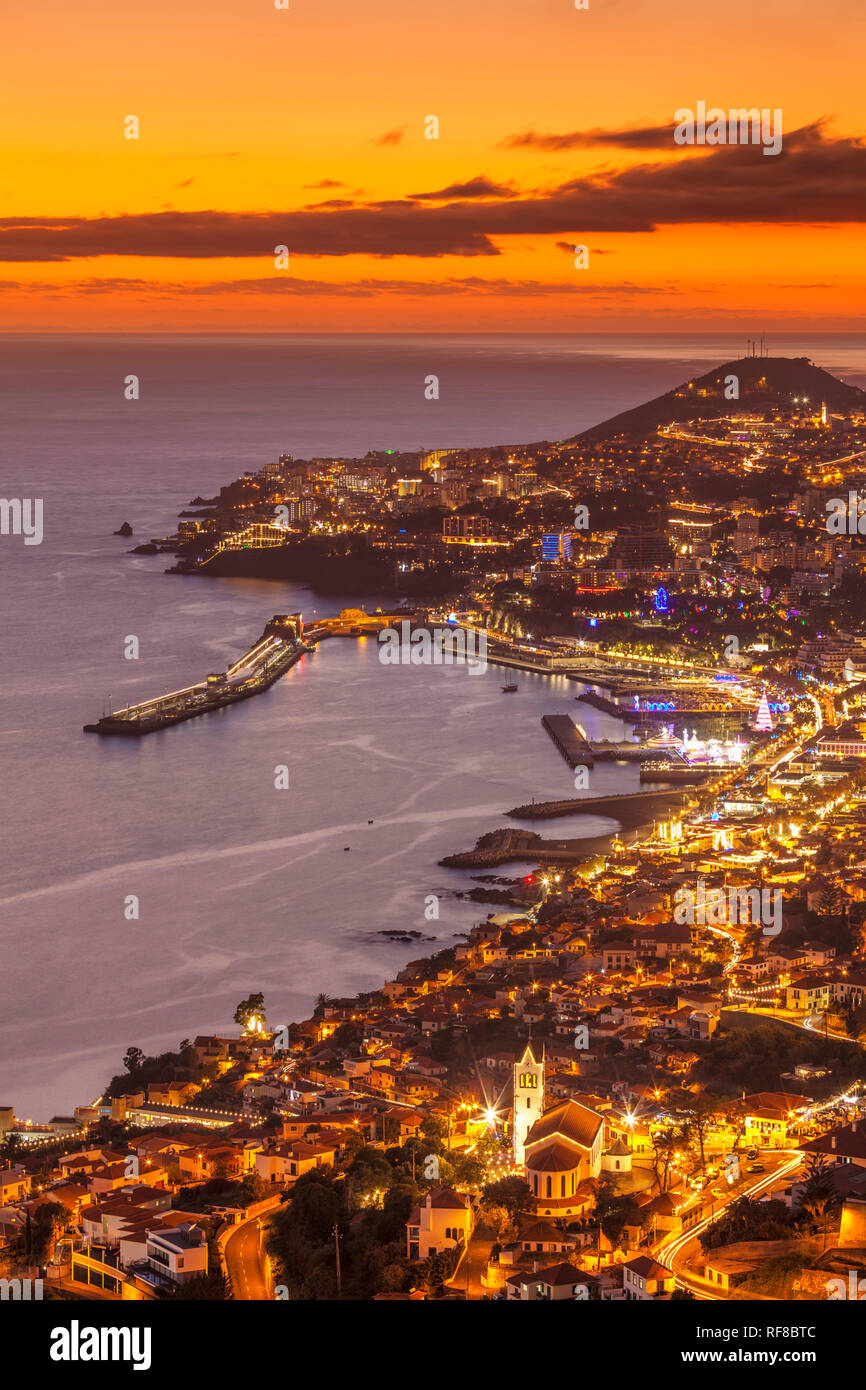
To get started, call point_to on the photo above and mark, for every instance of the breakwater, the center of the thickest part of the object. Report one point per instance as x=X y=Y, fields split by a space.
x=631 y=809
x=279 y=647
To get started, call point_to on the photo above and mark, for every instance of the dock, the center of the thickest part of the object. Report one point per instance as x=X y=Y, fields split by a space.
x=570 y=739
x=279 y=647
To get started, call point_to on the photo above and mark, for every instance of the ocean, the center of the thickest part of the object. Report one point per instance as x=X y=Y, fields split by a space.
x=239 y=886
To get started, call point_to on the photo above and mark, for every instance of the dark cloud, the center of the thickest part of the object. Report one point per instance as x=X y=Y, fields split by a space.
x=325 y=183
x=479 y=187
x=391 y=137
x=386 y=229
x=814 y=179
x=568 y=248
x=653 y=137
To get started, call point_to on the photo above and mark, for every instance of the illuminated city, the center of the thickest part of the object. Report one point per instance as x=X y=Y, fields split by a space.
x=434 y=700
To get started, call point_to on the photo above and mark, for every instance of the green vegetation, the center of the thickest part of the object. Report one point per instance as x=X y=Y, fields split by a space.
x=251 y=1011
x=754 y=1059
x=36 y=1242
x=776 y=1278
x=367 y=1206
x=748 y=1219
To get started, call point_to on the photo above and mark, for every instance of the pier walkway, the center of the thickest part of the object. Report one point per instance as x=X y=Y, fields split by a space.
x=279 y=647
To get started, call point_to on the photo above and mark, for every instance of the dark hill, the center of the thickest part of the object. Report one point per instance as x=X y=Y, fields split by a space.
x=764 y=383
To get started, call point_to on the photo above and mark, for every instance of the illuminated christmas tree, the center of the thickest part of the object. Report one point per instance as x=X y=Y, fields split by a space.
x=764 y=719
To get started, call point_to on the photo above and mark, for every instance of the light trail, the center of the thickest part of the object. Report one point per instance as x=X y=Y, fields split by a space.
x=670 y=1249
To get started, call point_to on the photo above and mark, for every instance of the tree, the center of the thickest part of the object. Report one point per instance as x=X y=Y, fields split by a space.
x=321 y=1001
x=200 y=1287
x=132 y=1059
x=818 y=1192
x=496 y=1217
x=666 y=1142
x=833 y=901
x=513 y=1194
x=468 y=1170
x=748 y=1219
x=432 y=1272
x=253 y=1187
x=700 y=1115
x=315 y=1206
x=36 y=1242
x=251 y=1011
x=367 y=1174
x=435 y=1130
x=605 y=1197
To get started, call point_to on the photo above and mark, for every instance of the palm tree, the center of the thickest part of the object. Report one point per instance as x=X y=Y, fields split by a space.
x=698 y=1122
x=666 y=1144
x=818 y=1192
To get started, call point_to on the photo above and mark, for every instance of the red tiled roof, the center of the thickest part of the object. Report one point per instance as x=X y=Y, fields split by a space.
x=571 y=1121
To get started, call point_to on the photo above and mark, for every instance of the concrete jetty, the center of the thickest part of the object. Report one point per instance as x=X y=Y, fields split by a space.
x=279 y=647
x=570 y=739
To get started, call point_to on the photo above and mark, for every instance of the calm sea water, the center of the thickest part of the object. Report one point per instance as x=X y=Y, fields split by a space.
x=242 y=887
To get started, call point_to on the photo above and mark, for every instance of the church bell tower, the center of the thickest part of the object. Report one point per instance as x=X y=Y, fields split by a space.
x=528 y=1097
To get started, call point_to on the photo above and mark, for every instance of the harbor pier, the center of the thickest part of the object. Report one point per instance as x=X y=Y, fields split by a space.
x=279 y=647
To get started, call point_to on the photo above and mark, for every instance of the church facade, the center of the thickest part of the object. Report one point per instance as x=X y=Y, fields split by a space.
x=560 y=1149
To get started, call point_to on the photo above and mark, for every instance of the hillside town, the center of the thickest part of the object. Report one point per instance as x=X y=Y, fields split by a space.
x=642 y=1075
x=748 y=511
x=619 y=1090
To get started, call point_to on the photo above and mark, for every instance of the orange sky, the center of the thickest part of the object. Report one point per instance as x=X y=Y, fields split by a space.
x=250 y=116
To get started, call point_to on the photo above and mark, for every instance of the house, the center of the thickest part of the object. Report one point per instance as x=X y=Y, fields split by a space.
x=703 y=1023
x=543 y=1238
x=562 y=1281
x=666 y=942
x=645 y=1279
x=164 y=1148
x=730 y=1265
x=71 y=1195
x=210 y=1158
x=174 y=1093
x=107 y=1178
x=848 y=988
x=818 y=953
x=177 y=1254
x=211 y=1051
x=107 y=1223
x=15 y=1184
x=771 y=1119
x=785 y=960
x=844 y=1144
x=618 y=956
x=808 y=994
x=287 y=1161
x=442 y=1222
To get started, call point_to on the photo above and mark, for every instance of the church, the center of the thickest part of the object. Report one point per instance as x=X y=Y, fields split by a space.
x=559 y=1149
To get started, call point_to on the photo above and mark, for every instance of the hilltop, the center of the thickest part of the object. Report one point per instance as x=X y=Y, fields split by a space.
x=764 y=383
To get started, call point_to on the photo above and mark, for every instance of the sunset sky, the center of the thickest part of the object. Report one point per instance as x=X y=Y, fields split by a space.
x=305 y=127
